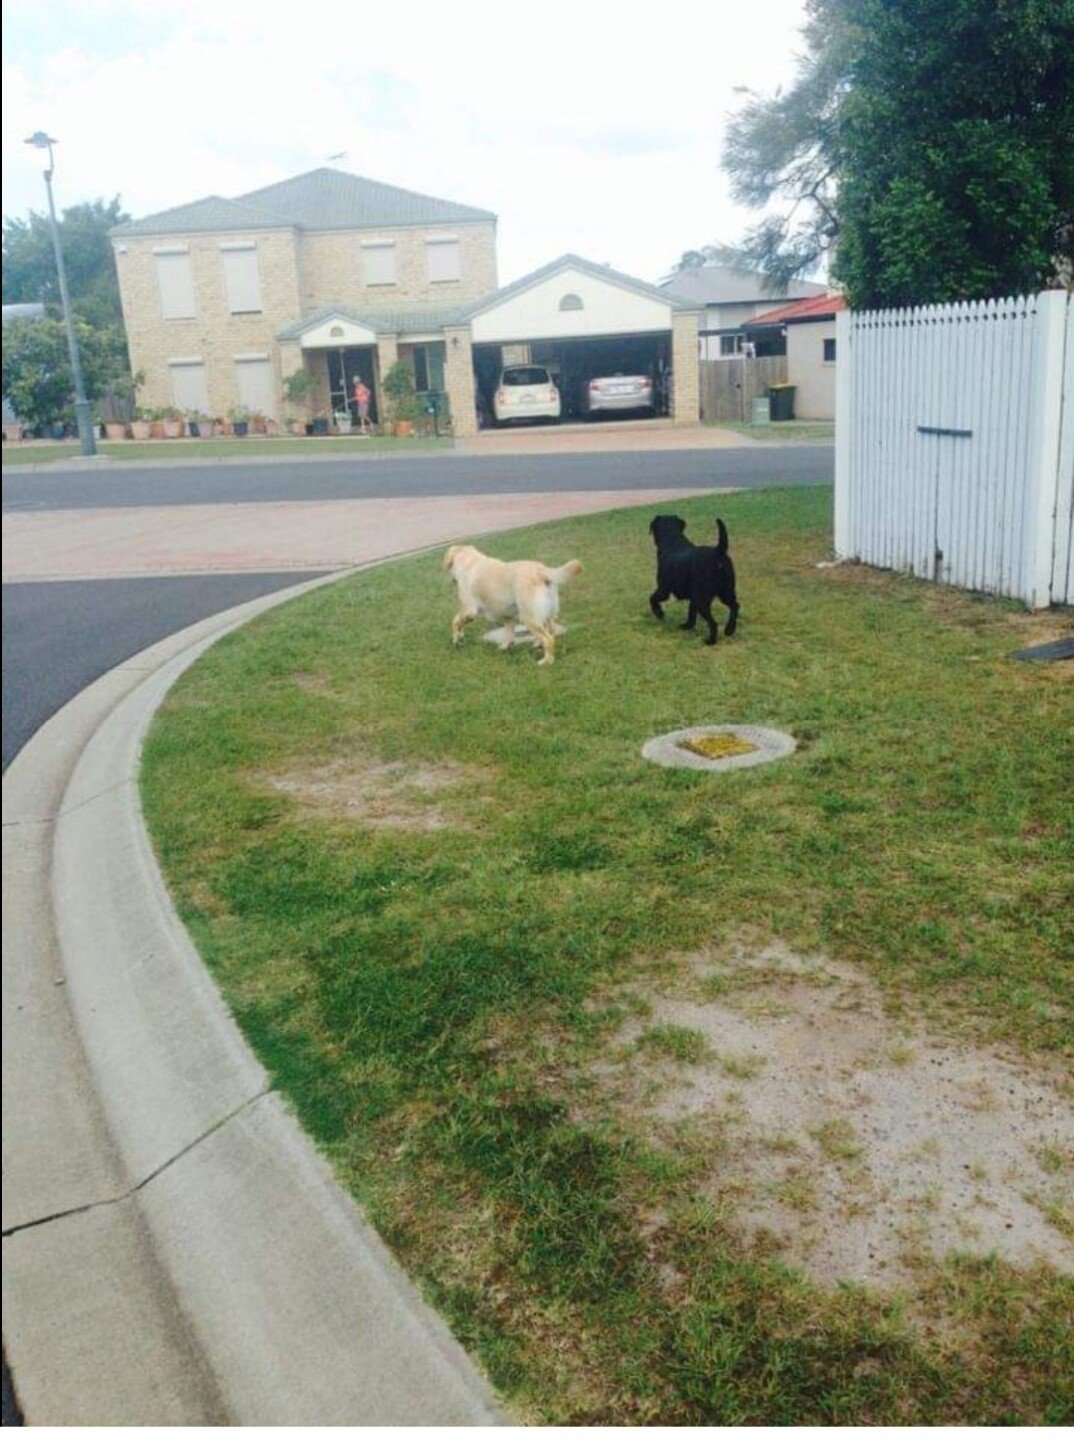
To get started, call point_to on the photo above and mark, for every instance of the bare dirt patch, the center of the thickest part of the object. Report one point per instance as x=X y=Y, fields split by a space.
x=393 y=794
x=843 y=1139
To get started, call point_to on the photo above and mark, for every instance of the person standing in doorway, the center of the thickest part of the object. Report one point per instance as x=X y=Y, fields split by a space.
x=362 y=396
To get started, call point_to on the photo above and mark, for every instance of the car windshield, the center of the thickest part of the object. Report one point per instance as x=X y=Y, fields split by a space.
x=525 y=375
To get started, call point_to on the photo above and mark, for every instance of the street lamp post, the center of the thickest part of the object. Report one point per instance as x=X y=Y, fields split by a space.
x=41 y=141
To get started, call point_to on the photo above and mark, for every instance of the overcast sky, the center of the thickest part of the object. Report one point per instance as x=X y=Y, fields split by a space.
x=593 y=127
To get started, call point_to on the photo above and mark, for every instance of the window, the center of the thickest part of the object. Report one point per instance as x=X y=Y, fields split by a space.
x=378 y=262
x=571 y=302
x=242 y=278
x=189 y=390
x=175 y=282
x=730 y=345
x=429 y=367
x=829 y=352
x=253 y=376
x=442 y=259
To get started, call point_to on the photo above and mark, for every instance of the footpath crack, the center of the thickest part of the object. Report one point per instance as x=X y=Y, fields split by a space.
x=146 y=1180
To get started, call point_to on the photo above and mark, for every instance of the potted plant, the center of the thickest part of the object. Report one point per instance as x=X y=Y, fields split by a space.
x=319 y=425
x=172 y=423
x=240 y=420
x=199 y=426
x=298 y=390
x=115 y=430
x=140 y=425
x=343 y=421
x=399 y=387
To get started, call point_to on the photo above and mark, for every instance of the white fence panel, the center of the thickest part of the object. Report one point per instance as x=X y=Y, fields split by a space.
x=955 y=443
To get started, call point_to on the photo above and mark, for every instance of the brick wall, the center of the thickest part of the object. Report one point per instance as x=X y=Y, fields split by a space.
x=331 y=271
x=685 y=379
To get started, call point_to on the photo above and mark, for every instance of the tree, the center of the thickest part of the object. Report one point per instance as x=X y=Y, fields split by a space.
x=926 y=148
x=30 y=263
x=37 y=370
x=30 y=274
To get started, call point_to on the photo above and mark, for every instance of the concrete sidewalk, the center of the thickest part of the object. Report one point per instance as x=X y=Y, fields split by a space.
x=175 y=1251
x=294 y=534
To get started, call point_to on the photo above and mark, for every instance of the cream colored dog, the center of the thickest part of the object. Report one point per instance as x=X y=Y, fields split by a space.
x=513 y=591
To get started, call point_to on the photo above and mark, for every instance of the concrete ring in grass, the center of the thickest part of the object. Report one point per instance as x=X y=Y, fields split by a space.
x=718 y=747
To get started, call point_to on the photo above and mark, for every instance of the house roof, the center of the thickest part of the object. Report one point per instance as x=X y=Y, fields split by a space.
x=570 y=262
x=322 y=199
x=819 y=307
x=213 y=213
x=382 y=322
x=722 y=285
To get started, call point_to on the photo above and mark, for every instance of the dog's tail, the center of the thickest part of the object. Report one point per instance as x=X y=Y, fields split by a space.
x=565 y=572
x=722 y=541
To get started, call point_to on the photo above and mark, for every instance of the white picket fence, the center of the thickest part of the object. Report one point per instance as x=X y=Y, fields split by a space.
x=954 y=444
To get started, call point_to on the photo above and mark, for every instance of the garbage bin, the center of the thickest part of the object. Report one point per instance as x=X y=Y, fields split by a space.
x=781 y=402
x=762 y=412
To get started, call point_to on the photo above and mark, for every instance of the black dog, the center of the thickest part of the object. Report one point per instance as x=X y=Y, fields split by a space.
x=697 y=573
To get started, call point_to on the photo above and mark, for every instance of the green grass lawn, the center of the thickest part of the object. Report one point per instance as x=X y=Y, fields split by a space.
x=335 y=445
x=787 y=432
x=435 y=884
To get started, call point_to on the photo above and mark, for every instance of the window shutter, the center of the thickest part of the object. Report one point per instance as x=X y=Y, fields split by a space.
x=242 y=278
x=175 y=281
x=442 y=259
x=378 y=263
x=255 y=385
x=189 y=390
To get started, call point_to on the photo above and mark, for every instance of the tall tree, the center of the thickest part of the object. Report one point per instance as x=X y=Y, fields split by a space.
x=36 y=368
x=926 y=148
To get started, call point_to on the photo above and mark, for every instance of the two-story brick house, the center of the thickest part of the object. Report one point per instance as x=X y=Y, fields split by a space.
x=341 y=276
x=218 y=295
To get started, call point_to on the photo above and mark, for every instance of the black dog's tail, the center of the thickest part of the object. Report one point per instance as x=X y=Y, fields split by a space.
x=722 y=541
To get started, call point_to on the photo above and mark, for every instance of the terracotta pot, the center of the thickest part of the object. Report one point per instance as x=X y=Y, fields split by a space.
x=402 y=428
x=140 y=429
x=173 y=429
x=114 y=430
x=156 y=429
x=272 y=427
x=12 y=432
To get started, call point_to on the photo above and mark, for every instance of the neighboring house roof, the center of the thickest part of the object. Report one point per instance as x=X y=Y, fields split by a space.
x=322 y=199
x=383 y=322
x=721 y=285
x=820 y=307
x=571 y=262
x=28 y=310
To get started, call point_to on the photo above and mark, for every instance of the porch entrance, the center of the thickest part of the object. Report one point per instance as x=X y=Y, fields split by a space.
x=346 y=365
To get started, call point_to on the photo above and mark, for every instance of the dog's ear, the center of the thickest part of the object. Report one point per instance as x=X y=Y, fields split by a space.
x=449 y=556
x=679 y=523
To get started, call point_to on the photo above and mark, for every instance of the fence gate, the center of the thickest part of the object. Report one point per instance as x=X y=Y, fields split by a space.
x=955 y=443
x=729 y=387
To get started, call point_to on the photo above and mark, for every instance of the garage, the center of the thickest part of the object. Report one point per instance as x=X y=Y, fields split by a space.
x=587 y=322
x=574 y=363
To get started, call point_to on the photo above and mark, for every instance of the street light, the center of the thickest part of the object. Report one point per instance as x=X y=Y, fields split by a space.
x=41 y=141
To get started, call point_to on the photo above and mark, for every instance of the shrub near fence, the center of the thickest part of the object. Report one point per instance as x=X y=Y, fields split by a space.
x=729 y=387
x=955 y=444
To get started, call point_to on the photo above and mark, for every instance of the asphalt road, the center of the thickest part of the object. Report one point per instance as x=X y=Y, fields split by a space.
x=131 y=485
x=60 y=636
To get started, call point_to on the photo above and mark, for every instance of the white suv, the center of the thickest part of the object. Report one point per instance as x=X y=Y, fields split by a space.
x=526 y=392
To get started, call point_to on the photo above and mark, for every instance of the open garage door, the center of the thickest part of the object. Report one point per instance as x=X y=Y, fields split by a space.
x=575 y=362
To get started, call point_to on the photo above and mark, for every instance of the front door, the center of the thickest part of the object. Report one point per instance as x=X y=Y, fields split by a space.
x=345 y=366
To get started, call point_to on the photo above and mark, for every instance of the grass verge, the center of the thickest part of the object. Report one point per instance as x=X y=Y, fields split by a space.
x=787 y=432
x=195 y=450
x=427 y=881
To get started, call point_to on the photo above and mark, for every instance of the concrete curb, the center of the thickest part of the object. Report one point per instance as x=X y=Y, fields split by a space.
x=175 y=1250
